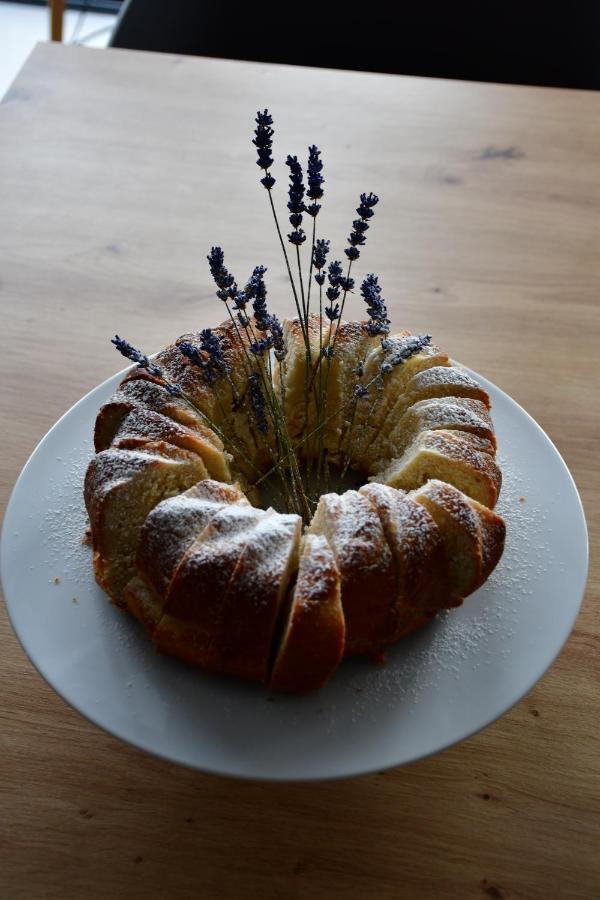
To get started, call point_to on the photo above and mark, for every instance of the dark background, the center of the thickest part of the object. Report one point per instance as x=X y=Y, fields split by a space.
x=555 y=44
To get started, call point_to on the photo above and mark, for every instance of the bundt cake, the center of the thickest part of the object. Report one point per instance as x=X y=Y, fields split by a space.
x=185 y=491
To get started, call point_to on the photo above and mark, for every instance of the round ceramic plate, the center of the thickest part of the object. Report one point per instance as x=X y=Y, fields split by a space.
x=436 y=687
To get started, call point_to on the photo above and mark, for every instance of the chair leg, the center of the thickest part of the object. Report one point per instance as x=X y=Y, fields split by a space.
x=57 y=11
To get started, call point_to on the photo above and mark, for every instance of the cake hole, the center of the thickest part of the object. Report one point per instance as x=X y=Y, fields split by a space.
x=272 y=493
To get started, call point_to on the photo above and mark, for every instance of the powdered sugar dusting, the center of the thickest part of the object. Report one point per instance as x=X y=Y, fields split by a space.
x=63 y=526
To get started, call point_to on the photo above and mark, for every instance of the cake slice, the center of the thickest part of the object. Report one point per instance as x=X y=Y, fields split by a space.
x=492 y=530
x=418 y=551
x=312 y=640
x=121 y=487
x=169 y=530
x=372 y=410
x=354 y=532
x=140 y=392
x=191 y=612
x=142 y=425
x=459 y=458
x=246 y=620
x=352 y=344
x=290 y=378
x=459 y=527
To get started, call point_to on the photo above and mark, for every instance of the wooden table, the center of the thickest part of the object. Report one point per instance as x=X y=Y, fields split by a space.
x=118 y=170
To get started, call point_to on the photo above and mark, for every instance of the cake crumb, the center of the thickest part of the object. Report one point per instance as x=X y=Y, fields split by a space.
x=74 y=600
x=86 y=540
x=56 y=580
x=521 y=499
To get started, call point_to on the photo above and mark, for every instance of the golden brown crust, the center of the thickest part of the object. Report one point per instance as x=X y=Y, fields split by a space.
x=313 y=637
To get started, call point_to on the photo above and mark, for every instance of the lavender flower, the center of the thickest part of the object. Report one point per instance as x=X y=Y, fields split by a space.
x=333 y=291
x=408 y=347
x=296 y=200
x=227 y=288
x=346 y=284
x=315 y=180
x=277 y=338
x=360 y=391
x=320 y=251
x=263 y=141
x=328 y=352
x=213 y=362
x=261 y=346
x=257 y=399
x=378 y=317
x=256 y=290
x=357 y=236
x=335 y=272
x=127 y=350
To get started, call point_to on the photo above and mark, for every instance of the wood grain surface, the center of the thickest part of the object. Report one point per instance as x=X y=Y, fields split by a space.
x=118 y=171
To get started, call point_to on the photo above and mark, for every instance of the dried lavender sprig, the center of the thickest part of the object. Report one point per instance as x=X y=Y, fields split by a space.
x=257 y=399
x=315 y=192
x=379 y=322
x=320 y=251
x=226 y=284
x=256 y=290
x=263 y=141
x=357 y=237
x=296 y=200
x=143 y=362
x=411 y=345
x=315 y=180
x=126 y=349
x=213 y=363
x=297 y=237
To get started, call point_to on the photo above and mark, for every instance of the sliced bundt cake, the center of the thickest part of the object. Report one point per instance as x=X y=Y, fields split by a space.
x=234 y=589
